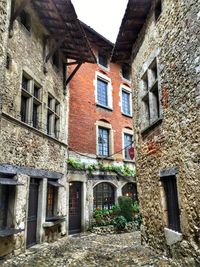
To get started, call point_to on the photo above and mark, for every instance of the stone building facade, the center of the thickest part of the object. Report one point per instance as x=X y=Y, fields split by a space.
x=100 y=127
x=33 y=119
x=165 y=60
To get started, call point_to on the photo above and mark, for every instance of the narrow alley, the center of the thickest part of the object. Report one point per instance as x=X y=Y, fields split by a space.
x=88 y=250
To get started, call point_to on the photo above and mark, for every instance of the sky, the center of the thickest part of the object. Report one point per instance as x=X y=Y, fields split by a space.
x=104 y=16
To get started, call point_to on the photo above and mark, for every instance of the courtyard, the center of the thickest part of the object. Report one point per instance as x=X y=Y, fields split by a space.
x=88 y=250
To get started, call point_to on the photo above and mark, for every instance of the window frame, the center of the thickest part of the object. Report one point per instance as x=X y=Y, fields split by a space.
x=53 y=117
x=109 y=191
x=151 y=109
x=127 y=131
x=107 y=132
x=100 y=76
x=127 y=90
x=103 y=56
x=28 y=94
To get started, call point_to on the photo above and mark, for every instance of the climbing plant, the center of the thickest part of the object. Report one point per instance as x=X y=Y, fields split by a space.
x=123 y=170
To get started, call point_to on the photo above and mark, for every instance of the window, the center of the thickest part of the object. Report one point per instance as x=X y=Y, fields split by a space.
x=125 y=70
x=126 y=102
x=102 y=92
x=130 y=190
x=25 y=20
x=104 y=196
x=30 y=102
x=53 y=117
x=7 y=198
x=171 y=198
x=158 y=9
x=103 y=142
x=52 y=199
x=103 y=60
x=56 y=59
x=127 y=144
x=150 y=98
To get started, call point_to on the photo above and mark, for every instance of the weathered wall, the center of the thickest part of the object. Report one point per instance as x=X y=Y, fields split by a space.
x=175 y=142
x=21 y=145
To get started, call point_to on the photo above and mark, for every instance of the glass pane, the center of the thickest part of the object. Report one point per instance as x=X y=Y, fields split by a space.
x=102 y=92
x=126 y=103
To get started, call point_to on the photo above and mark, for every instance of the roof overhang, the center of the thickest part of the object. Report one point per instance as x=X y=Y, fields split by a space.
x=132 y=23
x=60 y=20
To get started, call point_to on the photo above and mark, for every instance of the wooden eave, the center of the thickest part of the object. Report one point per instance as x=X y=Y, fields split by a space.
x=104 y=45
x=132 y=23
x=60 y=19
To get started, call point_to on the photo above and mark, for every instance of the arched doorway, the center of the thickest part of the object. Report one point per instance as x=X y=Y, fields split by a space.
x=103 y=196
x=130 y=190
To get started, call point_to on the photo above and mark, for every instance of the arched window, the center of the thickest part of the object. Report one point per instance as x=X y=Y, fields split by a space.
x=104 y=196
x=130 y=190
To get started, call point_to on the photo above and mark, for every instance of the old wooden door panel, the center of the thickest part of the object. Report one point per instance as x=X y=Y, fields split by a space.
x=32 y=212
x=75 y=207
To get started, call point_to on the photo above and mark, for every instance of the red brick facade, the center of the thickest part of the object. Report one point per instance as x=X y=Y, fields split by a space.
x=83 y=111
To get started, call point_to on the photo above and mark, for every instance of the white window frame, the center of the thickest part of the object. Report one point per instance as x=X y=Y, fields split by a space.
x=103 y=77
x=126 y=89
x=130 y=132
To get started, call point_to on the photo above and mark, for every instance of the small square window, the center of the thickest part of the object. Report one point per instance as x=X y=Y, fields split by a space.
x=56 y=59
x=126 y=72
x=103 y=60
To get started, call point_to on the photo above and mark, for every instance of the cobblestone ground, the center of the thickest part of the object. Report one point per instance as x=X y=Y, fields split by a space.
x=88 y=250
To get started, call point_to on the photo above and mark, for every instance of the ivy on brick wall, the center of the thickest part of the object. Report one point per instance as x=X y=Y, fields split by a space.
x=122 y=170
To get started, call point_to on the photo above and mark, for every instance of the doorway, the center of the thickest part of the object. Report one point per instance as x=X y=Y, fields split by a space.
x=75 y=196
x=32 y=213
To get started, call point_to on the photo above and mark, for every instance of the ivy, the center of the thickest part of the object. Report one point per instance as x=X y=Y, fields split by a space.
x=123 y=170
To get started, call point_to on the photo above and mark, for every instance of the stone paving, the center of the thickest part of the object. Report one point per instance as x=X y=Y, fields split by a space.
x=88 y=250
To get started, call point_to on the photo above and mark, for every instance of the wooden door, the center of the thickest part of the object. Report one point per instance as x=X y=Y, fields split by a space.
x=75 y=207
x=32 y=212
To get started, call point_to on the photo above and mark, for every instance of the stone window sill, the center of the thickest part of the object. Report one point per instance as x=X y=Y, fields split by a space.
x=127 y=115
x=104 y=107
x=9 y=232
x=54 y=221
x=153 y=125
x=105 y=158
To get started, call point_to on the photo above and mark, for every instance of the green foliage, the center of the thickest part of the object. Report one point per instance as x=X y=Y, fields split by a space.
x=136 y=207
x=116 y=210
x=121 y=170
x=120 y=222
x=103 y=217
x=126 y=207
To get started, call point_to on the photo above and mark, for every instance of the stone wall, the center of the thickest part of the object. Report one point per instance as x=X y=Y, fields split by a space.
x=174 y=142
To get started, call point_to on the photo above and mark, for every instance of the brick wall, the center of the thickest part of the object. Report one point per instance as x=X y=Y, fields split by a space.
x=84 y=113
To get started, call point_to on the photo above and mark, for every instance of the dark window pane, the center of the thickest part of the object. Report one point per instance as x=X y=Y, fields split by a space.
x=126 y=103
x=103 y=142
x=25 y=20
x=158 y=9
x=103 y=196
x=127 y=145
x=56 y=59
x=126 y=73
x=25 y=83
x=130 y=190
x=35 y=115
x=49 y=123
x=36 y=92
x=102 y=92
x=50 y=201
x=24 y=108
x=3 y=205
x=103 y=60
x=56 y=128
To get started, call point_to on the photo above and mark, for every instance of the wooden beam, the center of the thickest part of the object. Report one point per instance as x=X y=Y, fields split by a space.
x=71 y=63
x=57 y=46
x=74 y=72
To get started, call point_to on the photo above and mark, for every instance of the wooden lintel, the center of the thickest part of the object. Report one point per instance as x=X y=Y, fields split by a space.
x=19 y=10
x=57 y=46
x=74 y=72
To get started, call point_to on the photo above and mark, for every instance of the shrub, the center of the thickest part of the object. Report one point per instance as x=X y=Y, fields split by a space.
x=120 y=222
x=126 y=207
x=116 y=210
x=136 y=207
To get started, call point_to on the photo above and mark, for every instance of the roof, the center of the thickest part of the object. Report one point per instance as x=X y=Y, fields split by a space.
x=60 y=19
x=132 y=23
x=100 y=41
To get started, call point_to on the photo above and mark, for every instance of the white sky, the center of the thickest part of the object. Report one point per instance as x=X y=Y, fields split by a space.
x=104 y=16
